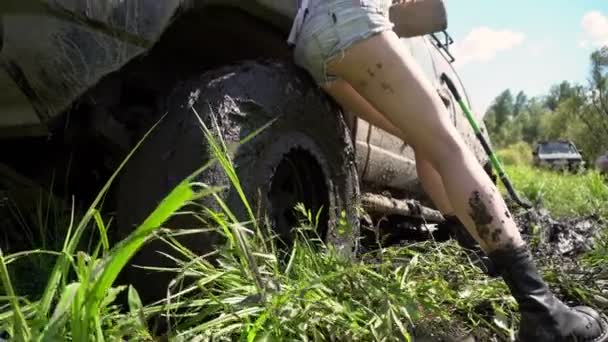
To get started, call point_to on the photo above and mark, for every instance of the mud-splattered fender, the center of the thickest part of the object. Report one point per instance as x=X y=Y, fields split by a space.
x=54 y=59
x=55 y=50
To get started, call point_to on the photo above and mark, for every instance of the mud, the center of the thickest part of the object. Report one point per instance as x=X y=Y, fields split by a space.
x=387 y=87
x=565 y=237
x=556 y=243
x=482 y=218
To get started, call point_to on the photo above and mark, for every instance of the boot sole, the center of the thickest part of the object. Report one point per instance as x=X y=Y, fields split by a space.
x=604 y=326
x=603 y=321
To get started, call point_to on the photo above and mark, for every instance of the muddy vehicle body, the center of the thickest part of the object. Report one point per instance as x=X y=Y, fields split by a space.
x=558 y=155
x=83 y=80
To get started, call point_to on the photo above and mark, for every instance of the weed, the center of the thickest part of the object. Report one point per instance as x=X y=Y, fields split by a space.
x=516 y=154
x=563 y=194
x=250 y=290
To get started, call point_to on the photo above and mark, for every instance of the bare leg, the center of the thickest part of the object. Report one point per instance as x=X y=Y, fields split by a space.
x=381 y=70
x=345 y=95
x=349 y=98
x=471 y=192
x=431 y=181
x=433 y=185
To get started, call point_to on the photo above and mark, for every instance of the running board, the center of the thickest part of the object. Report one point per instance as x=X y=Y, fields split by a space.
x=379 y=204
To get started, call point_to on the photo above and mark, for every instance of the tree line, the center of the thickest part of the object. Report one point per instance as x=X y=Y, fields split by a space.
x=568 y=111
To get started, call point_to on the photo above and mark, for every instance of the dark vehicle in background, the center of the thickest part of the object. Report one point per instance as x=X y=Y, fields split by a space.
x=558 y=155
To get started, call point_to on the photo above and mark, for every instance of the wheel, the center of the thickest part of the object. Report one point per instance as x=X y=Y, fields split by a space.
x=306 y=156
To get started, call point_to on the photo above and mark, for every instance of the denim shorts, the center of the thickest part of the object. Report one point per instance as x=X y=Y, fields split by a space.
x=331 y=26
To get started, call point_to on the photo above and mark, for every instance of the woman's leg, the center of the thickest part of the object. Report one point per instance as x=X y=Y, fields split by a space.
x=348 y=98
x=430 y=179
x=433 y=185
x=383 y=72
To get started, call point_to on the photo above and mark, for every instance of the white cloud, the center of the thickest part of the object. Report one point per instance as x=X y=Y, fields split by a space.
x=539 y=47
x=595 y=28
x=482 y=44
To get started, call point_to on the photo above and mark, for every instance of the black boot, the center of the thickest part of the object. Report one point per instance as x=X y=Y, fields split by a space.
x=545 y=318
x=459 y=232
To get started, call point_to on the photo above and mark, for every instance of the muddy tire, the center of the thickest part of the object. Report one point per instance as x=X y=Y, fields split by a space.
x=306 y=155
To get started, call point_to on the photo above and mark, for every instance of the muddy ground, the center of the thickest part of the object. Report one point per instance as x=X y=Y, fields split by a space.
x=558 y=244
x=562 y=238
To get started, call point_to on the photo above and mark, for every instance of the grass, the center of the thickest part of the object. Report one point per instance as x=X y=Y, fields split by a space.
x=248 y=290
x=320 y=295
x=516 y=154
x=563 y=194
x=567 y=195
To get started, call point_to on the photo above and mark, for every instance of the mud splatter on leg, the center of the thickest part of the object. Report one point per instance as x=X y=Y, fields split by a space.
x=496 y=235
x=480 y=215
x=387 y=87
x=362 y=84
x=489 y=228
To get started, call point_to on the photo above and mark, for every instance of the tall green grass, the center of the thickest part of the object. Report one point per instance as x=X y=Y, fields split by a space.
x=320 y=295
x=563 y=194
x=249 y=290
x=567 y=195
x=79 y=294
x=516 y=154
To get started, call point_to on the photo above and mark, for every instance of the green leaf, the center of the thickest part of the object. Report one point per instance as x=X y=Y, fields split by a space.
x=136 y=306
x=102 y=230
x=62 y=265
x=121 y=254
x=22 y=331
x=110 y=296
x=501 y=321
x=400 y=325
x=56 y=323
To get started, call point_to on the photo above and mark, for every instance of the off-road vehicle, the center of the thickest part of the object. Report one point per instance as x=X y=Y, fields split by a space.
x=82 y=80
x=558 y=155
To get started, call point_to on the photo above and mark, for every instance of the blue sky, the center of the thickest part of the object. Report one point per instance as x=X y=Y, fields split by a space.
x=524 y=45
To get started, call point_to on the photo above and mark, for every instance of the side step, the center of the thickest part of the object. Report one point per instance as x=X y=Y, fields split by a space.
x=379 y=204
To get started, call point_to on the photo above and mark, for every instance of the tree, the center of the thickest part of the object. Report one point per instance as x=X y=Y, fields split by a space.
x=598 y=85
x=557 y=94
x=568 y=111
x=520 y=103
x=530 y=118
x=502 y=108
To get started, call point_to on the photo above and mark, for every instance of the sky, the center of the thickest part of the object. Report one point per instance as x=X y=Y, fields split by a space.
x=524 y=45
